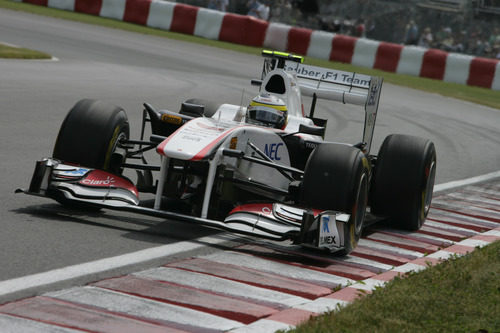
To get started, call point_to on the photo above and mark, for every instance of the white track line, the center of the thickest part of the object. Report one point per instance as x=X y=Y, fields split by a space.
x=18 y=47
x=35 y=284
x=464 y=182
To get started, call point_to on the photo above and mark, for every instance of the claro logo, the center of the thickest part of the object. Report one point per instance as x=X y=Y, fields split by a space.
x=99 y=182
x=99 y=178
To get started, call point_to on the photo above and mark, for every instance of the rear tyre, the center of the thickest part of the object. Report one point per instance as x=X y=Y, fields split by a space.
x=403 y=181
x=90 y=134
x=336 y=178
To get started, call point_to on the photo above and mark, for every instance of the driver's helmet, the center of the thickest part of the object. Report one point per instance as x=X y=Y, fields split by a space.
x=267 y=110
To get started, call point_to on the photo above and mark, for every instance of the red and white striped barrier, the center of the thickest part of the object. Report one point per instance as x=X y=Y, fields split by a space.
x=246 y=30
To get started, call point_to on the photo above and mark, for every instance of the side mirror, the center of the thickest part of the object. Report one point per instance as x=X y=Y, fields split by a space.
x=313 y=130
x=255 y=82
x=193 y=110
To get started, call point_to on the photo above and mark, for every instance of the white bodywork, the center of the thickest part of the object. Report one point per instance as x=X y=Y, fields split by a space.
x=247 y=161
x=203 y=139
x=200 y=138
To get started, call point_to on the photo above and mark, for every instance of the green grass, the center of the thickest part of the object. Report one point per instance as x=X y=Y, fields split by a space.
x=13 y=52
x=459 y=295
x=472 y=94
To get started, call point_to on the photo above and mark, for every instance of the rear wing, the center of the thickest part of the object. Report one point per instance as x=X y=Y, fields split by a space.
x=332 y=84
x=341 y=86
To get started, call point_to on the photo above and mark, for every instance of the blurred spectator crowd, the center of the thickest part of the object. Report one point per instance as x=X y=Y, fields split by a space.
x=396 y=21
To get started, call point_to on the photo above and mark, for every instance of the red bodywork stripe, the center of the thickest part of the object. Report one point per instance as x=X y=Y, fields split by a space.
x=260 y=207
x=202 y=153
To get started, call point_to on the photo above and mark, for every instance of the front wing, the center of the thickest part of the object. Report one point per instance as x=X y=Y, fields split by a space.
x=273 y=221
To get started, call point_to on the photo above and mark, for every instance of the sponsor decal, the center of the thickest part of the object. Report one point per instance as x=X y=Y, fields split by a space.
x=334 y=76
x=328 y=233
x=99 y=182
x=370 y=120
x=325 y=221
x=171 y=119
x=196 y=139
x=373 y=95
x=233 y=143
x=72 y=173
x=272 y=151
x=98 y=178
x=219 y=128
x=266 y=210
x=311 y=145
x=253 y=208
x=190 y=138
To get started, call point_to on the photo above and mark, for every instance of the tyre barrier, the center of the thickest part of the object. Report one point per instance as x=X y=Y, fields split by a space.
x=246 y=30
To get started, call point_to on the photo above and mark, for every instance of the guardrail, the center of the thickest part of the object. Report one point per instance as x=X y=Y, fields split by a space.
x=246 y=30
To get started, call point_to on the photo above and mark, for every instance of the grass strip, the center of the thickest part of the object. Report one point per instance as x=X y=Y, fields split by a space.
x=460 y=295
x=14 y=52
x=472 y=94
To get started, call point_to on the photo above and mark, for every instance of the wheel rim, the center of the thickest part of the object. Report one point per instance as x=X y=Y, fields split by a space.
x=115 y=141
x=121 y=137
x=361 y=202
x=429 y=186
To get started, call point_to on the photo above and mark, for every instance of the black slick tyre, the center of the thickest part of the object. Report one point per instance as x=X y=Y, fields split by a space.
x=403 y=180
x=88 y=137
x=90 y=133
x=336 y=178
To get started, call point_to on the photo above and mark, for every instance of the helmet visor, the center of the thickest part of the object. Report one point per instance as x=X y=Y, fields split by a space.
x=266 y=116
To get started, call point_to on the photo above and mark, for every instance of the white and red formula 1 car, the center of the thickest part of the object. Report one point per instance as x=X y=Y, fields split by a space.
x=263 y=170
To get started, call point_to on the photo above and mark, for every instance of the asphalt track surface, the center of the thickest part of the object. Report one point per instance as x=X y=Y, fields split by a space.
x=128 y=69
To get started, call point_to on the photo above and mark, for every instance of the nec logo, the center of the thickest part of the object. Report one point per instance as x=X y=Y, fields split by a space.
x=271 y=150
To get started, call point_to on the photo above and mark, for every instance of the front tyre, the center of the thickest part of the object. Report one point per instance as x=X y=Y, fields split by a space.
x=90 y=133
x=336 y=177
x=89 y=136
x=403 y=182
